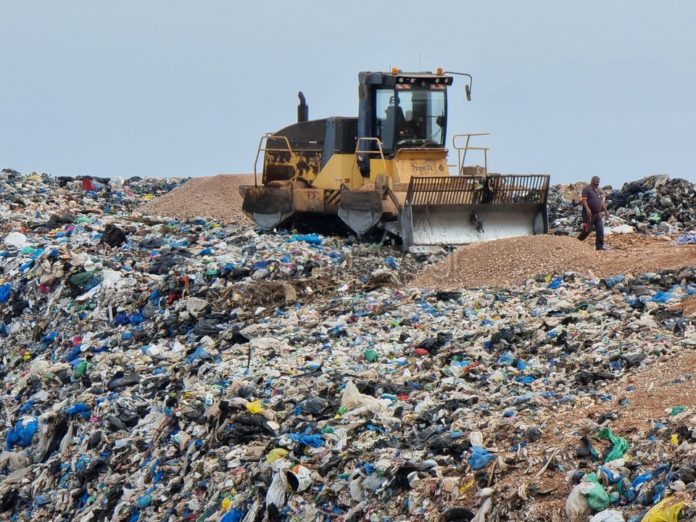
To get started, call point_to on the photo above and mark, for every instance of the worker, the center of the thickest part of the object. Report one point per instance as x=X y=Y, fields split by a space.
x=394 y=110
x=592 y=207
x=491 y=188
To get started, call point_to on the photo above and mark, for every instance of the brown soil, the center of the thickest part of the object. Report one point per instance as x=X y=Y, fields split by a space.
x=212 y=197
x=656 y=390
x=511 y=261
x=687 y=306
x=665 y=384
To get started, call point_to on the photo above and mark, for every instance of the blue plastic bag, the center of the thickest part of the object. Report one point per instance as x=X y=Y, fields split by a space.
x=391 y=263
x=307 y=439
x=312 y=239
x=233 y=515
x=79 y=409
x=198 y=354
x=22 y=433
x=5 y=293
x=555 y=283
x=611 y=282
x=480 y=457
x=662 y=297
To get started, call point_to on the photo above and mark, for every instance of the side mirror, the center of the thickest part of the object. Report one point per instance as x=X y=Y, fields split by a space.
x=467 y=87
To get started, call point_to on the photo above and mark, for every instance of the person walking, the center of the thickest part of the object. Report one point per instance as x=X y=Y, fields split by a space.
x=592 y=207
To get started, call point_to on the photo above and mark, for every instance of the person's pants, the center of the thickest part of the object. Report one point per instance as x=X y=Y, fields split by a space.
x=596 y=225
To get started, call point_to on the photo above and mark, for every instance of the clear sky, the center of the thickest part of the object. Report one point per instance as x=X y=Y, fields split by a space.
x=187 y=88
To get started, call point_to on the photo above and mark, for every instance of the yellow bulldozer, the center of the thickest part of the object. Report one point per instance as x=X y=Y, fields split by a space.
x=388 y=168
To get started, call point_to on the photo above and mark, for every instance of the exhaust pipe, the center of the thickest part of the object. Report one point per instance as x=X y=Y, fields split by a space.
x=302 y=109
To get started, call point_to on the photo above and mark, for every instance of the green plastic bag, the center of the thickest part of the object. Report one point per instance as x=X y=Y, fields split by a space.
x=620 y=445
x=597 y=498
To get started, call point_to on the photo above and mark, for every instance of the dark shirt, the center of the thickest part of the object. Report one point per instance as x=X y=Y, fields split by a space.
x=593 y=197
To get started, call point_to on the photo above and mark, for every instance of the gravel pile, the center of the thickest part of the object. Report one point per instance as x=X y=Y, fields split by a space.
x=211 y=197
x=507 y=261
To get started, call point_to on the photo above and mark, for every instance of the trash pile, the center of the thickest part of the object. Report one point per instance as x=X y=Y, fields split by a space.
x=655 y=205
x=48 y=202
x=189 y=370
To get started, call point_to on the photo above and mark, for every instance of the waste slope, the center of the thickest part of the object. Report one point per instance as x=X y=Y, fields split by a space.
x=192 y=370
x=212 y=197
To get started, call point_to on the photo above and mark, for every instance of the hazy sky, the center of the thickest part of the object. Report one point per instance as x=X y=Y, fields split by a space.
x=187 y=88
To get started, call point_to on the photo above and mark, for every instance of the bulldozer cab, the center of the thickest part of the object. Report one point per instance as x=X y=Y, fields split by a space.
x=403 y=110
x=410 y=118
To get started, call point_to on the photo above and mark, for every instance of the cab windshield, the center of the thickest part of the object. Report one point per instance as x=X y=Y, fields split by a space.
x=410 y=118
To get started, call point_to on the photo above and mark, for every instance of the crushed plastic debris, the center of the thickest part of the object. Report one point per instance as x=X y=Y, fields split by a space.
x=189 y=370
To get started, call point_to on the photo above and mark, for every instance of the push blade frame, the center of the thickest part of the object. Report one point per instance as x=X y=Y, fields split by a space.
x=456 y=210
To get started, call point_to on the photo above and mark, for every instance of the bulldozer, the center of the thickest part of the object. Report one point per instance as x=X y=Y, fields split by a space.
x=388 y=170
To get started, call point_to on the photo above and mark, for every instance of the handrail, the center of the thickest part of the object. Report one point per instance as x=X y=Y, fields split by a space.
x=267 y=137
x=378 y=151
x=464 y=149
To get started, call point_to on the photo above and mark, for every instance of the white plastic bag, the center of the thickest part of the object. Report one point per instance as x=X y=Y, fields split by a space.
x=608 y=515
x=353 y=399
x=576 y=507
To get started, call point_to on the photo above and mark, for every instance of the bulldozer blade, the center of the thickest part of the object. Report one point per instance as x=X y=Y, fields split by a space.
x=460 y=209
x=268 y=206
x=360 y=210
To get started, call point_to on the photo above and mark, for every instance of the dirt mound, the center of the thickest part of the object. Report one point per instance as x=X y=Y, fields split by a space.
x=511 y=261
x=212 y=197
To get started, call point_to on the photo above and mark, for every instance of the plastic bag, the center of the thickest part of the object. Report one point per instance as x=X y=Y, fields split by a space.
x=662 y=297
x=608 y=515
x=597 y=498
x=275 y=454
x=79 y=409
x=480 y=457
x=312 y=239
x=665 y=511
x=483 y=511
x=15 y=239
x=5 y=292
x=576 y=507
x=352 y=399
x=277 y=490
x=255 y=407
x=620 y=445
x=315 y=440
x=22 y=433
x=233 y=515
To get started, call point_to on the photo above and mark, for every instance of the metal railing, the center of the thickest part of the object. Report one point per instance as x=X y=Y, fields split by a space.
x=265 y=138
x=463 y=149
x=362 y=141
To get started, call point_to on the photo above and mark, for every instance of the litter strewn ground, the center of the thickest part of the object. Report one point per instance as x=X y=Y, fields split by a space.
x=156 y=368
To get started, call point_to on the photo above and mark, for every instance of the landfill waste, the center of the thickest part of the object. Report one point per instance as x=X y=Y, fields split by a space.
x=655 y=204
x=163 y=369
